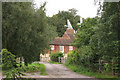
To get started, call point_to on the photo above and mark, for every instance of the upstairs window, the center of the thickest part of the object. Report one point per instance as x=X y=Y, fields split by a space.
x=70 y=48
x=62 y=49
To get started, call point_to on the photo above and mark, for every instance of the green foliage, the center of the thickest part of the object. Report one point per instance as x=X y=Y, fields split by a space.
x=85 y=54
x=13 y=73
x=60 y=20
x=9 y=64
x=71 y=57
x=85 y=71
x=86 y=30
x=97 y=41
x=54 y=56
x=8 y=59
x=60 y=29
x=19 y=78
x=53 y=62
x=31 y=68
x=109 y=29
x=25 y=30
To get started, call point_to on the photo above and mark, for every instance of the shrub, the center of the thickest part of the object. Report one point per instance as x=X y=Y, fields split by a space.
x=54 y=56
x=9 y=64
x=71 y=57
x=8 y=59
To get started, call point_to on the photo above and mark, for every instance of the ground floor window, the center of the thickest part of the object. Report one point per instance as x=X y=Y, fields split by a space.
x=52 y=47
x=62 y=49
x=70 y=48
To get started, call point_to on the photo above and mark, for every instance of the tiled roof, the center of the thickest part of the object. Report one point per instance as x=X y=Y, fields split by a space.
x=69 y=31
x=72 y=36
x=64 y=40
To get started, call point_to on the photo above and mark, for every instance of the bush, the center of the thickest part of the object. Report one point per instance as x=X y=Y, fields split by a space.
x=71 y=57
x=54 y=56
x=8 y=59
x=9 y=64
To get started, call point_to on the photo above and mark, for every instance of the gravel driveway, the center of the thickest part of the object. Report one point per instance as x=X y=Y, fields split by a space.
x=55 y=71
x=60 y=71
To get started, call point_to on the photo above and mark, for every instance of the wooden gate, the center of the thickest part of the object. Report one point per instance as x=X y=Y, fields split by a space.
x=62 y=59
x=45 y=59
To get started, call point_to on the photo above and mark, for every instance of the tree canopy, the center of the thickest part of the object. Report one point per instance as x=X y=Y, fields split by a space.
x=98 y=39
x=60 y=20
x=25 y=30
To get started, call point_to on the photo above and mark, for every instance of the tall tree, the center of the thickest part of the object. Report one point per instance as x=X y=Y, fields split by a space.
x=83 y=41
x=109 y=32
x=60 y=20
x=85 y=31
x=25 y=30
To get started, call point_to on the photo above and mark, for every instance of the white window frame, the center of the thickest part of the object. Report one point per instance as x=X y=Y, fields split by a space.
x=52 y=47
x=61 y=49
x=70 y=48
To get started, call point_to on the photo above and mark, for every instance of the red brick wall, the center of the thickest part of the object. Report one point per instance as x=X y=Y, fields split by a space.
x=56 y=48
x=66 y=49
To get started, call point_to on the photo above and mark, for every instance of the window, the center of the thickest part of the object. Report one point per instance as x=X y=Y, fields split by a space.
x=62 y=49
x=70 y=48
x=52 y=47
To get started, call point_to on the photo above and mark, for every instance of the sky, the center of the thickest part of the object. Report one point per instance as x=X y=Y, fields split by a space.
x=86 y=8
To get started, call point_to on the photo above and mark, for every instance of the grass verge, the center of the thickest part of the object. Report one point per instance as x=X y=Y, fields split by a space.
x=31 y=68
x=81 y=70
x=52 y=62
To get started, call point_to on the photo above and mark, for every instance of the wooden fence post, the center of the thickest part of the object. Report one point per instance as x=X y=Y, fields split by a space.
x=99 y=66
x=59 y=59
x=113 y=72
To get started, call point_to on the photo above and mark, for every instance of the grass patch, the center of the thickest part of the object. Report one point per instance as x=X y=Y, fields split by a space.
x=53 y=62
x=43 y=73
x=32 y=73
x=34 y=67
x=81 y=70
x=19 y=79
x=25 y=75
